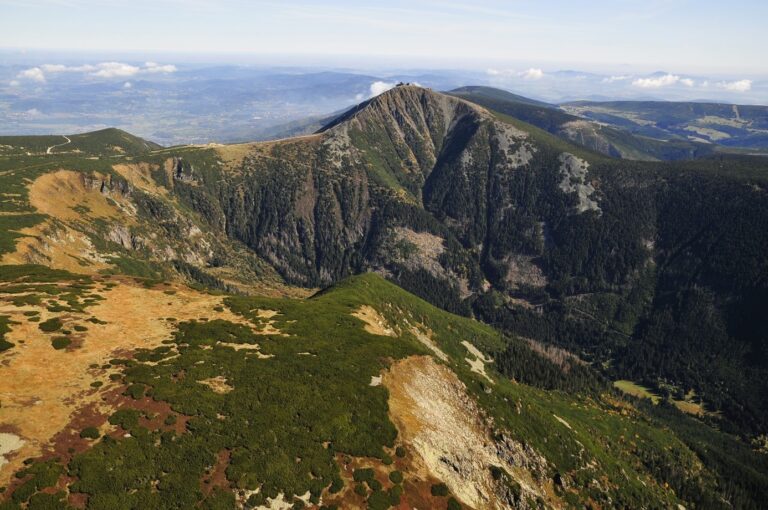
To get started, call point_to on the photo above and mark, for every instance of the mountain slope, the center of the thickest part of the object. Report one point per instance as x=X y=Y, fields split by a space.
x=480 y=212
x=329 y=400
x=644 y=271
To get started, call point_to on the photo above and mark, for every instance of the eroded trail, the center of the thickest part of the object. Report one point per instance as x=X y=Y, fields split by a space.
x=68 y=141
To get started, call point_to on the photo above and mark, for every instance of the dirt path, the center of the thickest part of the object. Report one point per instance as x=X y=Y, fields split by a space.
x=68 y=141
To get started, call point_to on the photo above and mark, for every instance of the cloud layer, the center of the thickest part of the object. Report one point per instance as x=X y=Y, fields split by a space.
x=534 y=73
x=379 y=87
x=736 y=86
x=666 y=80
x=40 y=74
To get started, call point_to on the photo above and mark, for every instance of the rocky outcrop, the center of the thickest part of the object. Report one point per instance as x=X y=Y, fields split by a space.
x=106 y=184
x=452 y=439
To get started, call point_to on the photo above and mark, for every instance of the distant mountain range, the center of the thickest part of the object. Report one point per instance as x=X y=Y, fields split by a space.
x=642 y=130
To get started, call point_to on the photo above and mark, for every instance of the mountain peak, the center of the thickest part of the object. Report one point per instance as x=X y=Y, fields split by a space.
x=408 y=103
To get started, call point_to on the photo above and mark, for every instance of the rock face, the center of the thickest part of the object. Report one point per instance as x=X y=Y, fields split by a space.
x=574 y=171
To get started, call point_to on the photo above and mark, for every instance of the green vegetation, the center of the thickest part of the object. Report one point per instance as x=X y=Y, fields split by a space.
x=90 y=433
x=51 y=325
x=453 y=504
x=10 y=227
x=664 y=285
x=36 y=477
x=741 y=126
x=108 y=141
x=4 y=328
x=60 y=342
x=439 y=490
x=607 y=137
x=636 y=390
x=288 y=406
x=279 y=409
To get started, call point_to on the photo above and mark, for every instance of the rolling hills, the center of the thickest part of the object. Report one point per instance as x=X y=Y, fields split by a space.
x=578 y=126
x=727 y=125
x=178 y=287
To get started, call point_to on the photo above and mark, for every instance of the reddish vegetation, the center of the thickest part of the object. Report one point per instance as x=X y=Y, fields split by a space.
x=67 y=443
x=416 y=488
x=217 y=475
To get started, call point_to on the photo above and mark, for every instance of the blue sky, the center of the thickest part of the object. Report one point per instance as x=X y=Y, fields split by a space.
x=675 y=35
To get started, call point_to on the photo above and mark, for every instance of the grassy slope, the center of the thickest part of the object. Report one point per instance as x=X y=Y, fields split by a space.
x=102 y=142
x=288 y=406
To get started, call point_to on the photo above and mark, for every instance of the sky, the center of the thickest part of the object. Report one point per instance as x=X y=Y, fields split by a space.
x=610 y=36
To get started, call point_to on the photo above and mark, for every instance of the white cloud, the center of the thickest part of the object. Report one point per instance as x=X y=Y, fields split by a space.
x=33 y=74
x=612 y=79
x=153 y=67
x=127 y=85
x=736 y=86
x=379 y=87
x=60 y=68
x=53 y=68
x=534 y=73
x=657 y=82
x=102 y=70
x=14 y=83
x=116 y=69
x=687 y=82
x=501 y=72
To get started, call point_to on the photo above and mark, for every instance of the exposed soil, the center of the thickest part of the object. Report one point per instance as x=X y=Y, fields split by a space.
x=375 y=324
x=477 y=364
x=217 y=384
x=216 y=476
x=446 y=430
x=139 y=176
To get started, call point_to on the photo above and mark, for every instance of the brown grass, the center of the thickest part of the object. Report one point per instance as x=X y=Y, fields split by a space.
x=58 y=193
x=139 y=175
x=43 y=388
